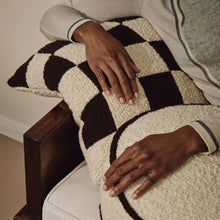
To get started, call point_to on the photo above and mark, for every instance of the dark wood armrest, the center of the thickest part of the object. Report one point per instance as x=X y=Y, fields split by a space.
x=51 y=150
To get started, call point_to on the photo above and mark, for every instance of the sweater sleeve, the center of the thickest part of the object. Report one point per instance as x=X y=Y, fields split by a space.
x=209 y=130
x=60 y=21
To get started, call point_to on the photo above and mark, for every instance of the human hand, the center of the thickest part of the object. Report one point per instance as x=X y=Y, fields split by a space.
x=107 y=56
x=155 y=157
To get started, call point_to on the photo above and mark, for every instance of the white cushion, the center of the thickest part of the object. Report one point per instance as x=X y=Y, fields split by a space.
x=75 y=197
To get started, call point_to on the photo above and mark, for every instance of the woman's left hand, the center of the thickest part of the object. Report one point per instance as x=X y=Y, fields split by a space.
x=155 y=157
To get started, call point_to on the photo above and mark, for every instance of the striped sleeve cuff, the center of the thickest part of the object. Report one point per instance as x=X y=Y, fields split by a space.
x=75 y=25
x=207 y=135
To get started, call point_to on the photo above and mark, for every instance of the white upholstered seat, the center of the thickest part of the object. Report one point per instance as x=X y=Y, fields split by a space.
x=74 y=197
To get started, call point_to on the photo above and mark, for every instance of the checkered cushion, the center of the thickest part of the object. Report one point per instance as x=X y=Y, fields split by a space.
x=61 y=69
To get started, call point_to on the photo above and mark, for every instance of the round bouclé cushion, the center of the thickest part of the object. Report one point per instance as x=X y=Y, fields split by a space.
x=191 y=192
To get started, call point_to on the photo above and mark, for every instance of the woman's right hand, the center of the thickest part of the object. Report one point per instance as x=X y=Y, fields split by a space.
x=107 y=56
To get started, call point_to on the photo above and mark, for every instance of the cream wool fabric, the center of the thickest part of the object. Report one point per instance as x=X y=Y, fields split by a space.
x=191 y=192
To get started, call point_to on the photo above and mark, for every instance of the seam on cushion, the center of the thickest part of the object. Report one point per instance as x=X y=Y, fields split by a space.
x=63 y=181
x=187 y=50
x=63 y=212
x=49 y=93
x=210 y=133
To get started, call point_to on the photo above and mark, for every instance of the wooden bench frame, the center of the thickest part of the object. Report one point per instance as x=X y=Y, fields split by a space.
x=51 y=149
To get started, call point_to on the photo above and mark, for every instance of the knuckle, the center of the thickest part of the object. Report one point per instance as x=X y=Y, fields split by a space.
x=95 y=62
x=113 y=81
x=118 y=93
x=131 y=76
x=136 y=147
x=110 y=57
x=150 y=180
x=145 y=155
x=120 y=172
x=117 y=189
x=99 y=76
x=121 y=55
x=130 y=178
x=129 y=95
x=127 y=149
x=108 y=183
x=109 y=54
x=114 y=165
x=123 y=79
x=141 y=165
x=142 y=168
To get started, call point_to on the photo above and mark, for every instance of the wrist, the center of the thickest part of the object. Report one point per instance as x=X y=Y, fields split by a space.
x=85 y=32
x=192 y=141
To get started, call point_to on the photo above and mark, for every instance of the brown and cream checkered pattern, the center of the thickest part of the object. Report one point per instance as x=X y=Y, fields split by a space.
x=60 y=69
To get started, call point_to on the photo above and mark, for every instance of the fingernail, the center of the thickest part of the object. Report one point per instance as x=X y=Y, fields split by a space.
x=121 y=100
x=105 y=188
x=136 y=95
x=107 y=92
x=130 y=101
x=112 y=192
x=134 y=196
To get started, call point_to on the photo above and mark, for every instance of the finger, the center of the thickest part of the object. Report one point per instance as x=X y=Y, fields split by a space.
x=134 y=87
x=101 y=79
x=129 y=69
x=124 y=82
x=126 y=182
x=113 y=82
x=134 y=67
x=118 y=174
x=133 y=81
x=123 y=158
x=126 y=64
x=151 y=179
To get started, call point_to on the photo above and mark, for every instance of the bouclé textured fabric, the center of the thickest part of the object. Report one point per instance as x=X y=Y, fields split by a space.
x=60 y=68
x=191 y=192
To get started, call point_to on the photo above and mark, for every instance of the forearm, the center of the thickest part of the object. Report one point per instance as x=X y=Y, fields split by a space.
x=192 y=141
x=60 y=21
x=88 y=32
